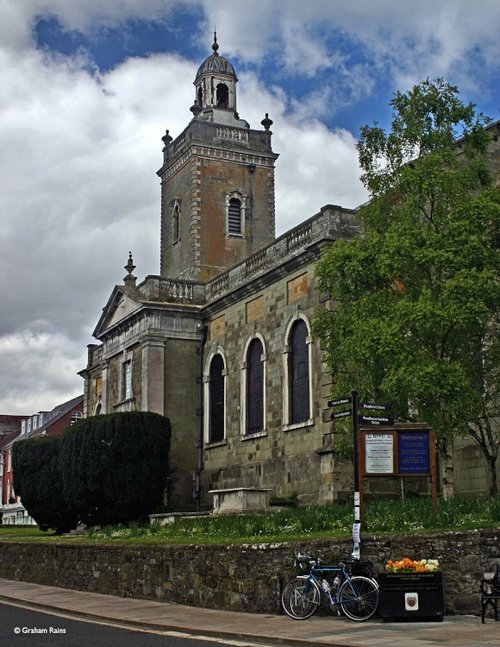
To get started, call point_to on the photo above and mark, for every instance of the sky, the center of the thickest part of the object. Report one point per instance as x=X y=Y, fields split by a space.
x=87 y=90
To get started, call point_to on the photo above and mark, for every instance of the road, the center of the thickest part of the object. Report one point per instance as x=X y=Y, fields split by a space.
x=23 y=627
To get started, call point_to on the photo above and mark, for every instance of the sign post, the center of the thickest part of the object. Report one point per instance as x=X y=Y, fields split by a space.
x=356 y=420
x=356 y=527
x=336 y=415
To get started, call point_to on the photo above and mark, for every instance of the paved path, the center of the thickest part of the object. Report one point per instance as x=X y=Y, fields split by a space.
x=458 y=631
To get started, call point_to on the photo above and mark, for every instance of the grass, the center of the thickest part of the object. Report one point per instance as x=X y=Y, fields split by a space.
x=312 y=522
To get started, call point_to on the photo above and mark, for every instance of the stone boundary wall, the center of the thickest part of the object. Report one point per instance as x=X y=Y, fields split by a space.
x=240 y=577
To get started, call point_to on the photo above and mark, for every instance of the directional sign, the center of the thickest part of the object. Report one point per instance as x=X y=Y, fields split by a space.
x=374 y=406
x=335 y=403
x=372 y=420
x=340 y=414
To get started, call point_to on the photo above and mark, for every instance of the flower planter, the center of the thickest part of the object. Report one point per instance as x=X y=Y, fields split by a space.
x=411 y=596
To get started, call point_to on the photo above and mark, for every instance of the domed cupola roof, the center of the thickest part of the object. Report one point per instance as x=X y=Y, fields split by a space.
x=215 y=64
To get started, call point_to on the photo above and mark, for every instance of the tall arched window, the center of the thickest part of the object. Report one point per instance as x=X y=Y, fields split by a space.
x=255 y=388
x=216 y=400
x=234 y=217
x=298 y=373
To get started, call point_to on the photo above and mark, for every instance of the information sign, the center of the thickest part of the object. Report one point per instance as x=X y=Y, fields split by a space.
x=373 y=406
x=404 y=449
x=413 y=452
x=376 y=420
x=340 y=414
x=335 y=403
x=379 y=453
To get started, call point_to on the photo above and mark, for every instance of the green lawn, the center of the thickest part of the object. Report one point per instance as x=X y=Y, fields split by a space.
x=313 y=522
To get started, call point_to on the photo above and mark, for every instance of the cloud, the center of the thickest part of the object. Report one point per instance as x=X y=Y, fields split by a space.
x=403 y=42
x=45 y=377
x=91 y=14
x=79 y=190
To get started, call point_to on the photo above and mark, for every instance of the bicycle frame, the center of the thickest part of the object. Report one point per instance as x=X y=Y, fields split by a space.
x=355 y=595
x=315 y=575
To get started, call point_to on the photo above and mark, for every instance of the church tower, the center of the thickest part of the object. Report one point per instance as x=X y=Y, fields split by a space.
x=217 y=182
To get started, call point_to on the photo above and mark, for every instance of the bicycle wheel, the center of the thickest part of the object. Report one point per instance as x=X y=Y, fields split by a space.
x=300 y=597
x=358 y=597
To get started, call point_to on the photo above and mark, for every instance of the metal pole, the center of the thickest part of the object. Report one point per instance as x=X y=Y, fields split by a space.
x=356 y=527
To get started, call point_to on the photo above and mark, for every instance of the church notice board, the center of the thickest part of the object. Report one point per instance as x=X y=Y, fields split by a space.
x=405 y=449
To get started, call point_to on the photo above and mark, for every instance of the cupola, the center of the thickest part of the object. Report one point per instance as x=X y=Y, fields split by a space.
x=215 y=94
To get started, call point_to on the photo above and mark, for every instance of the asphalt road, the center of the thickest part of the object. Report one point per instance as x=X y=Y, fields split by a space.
x=23 y=627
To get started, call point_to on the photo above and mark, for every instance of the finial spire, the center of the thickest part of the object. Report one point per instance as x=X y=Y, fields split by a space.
x=215 y=44
x=130 y=267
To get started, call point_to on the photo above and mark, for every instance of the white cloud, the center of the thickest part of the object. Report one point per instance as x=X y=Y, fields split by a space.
x=316 y=166
x=405 y=41
x=88 y=15
x=79 y=191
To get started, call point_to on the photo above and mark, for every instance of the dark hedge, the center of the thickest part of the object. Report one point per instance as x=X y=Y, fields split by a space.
x=115 y=467
x=38 y=481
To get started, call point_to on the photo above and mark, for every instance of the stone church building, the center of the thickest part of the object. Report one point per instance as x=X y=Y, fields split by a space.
x=220 y=341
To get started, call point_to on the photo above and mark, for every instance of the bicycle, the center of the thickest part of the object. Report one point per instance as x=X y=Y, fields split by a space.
x=355 y=595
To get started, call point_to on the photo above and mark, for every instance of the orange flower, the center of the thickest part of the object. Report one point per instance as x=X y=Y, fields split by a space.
x=409 y=565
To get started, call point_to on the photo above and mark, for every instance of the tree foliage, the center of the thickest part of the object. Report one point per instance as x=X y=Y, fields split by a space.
x=115 y=467
x=416 y=316
x=37 y=480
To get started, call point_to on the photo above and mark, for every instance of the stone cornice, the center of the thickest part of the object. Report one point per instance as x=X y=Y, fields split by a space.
x=217 y=141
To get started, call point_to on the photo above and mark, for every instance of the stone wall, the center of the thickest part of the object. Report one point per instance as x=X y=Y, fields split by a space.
x=286 y=458
x=240 y=577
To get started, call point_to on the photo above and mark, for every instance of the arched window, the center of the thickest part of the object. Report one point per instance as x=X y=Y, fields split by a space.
x=222 y=96
x=298 y=374
x=216 y=400
x=234 y=216
x=176 y=223
x=255 y=388
x=236 y=205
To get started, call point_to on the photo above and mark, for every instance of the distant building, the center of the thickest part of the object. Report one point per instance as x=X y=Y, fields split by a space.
x=9 y=424
x=50 y=423
x=220 y=341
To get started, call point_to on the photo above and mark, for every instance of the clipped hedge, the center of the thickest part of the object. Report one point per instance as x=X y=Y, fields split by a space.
x=114 y=467
x=38 y=481
x=102 y=470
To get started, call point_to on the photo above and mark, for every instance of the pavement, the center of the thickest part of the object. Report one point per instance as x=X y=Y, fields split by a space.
x=255 y=629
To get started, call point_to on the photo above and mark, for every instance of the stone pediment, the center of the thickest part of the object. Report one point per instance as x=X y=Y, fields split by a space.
x=119 y=307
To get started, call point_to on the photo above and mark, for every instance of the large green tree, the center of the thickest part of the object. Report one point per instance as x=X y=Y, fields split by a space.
x=416 y=298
